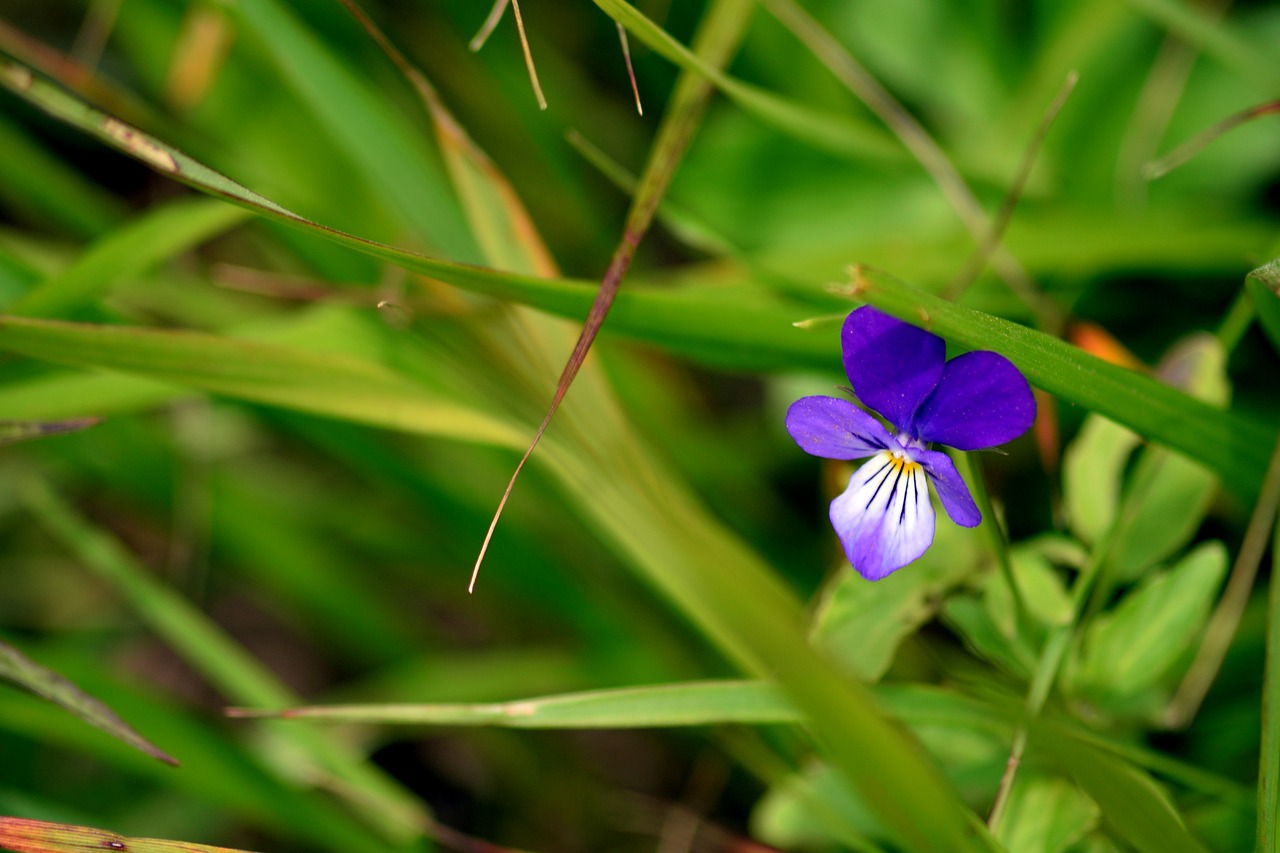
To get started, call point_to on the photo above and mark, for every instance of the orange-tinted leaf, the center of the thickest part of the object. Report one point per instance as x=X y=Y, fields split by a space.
x=37 y=836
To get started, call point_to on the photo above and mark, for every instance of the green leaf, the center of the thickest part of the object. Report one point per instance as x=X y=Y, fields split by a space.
x=861 y=624
x=1045 y=814
x=971 y=619
x=44 y=682
x=1169 y=494
x=1135 y=646
x=1134 y=806
x=1234 y=446
x=1092 y=471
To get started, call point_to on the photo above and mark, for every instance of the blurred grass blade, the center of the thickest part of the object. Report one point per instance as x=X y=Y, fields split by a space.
x=1269 y=771
x=156 y=235
x=840 y=134
x=386 y=148
x=506 y=233
x=227 y=666
x=1198 y=27
x=1234 y=446
x=1200 y=141
x=34 y=180
x=1221 y=630
x=719 y=328
x=323 y=383
x=15 y=431
x=689 y=704
x=37 y=836
x=719 y=34
x=44 y=682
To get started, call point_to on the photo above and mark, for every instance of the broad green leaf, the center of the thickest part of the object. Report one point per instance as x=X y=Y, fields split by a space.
x=44 y=682
x=1234 y=446
x=1169 y=494
x=322 y=383
x=156 y=235
x=1040 y=586
x=861 y=624
x=37 y=836
x=1135 y=645
x=1045 y=814
x=1132 y=804
x=1263 y=286
x=814 y=809
x=1092 y=471
x=971 y=619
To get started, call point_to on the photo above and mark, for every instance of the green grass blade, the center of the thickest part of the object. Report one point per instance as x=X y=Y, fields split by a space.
x=322 y=383
x=38 y=836
x=1217 y=39
x=44 y=682
x=838 y=134
x=156 y=235
x=688 y=704
x=34 y=181
x=14 y=431
x=1269 y=770
x=226 y=665
x=363 y=123
x=1229 y=443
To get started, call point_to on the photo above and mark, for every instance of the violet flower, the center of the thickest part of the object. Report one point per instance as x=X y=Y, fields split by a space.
x=974 y=401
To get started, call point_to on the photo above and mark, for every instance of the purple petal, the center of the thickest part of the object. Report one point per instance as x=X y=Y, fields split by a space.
x=951 y=487
x=893 y=366
x=836 y=429
x=981 y=401
x=884 y=519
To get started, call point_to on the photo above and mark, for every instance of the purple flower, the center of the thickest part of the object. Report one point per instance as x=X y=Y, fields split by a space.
x=976 y=400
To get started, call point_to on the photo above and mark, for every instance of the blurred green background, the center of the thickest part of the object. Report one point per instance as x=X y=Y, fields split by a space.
x=288 y=510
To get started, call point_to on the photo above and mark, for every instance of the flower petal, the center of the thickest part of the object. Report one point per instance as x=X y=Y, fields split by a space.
x=893 y=365
x=982 y=400
x=836 y=429
x=884 y=519
x=952 y=490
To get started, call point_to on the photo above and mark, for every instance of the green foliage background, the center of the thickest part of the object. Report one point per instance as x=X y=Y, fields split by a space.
x=284 y=501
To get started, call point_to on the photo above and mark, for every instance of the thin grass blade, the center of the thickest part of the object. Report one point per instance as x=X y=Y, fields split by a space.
x=44 y=682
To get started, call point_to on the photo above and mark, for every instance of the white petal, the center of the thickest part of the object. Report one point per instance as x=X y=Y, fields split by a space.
x=884 y=519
